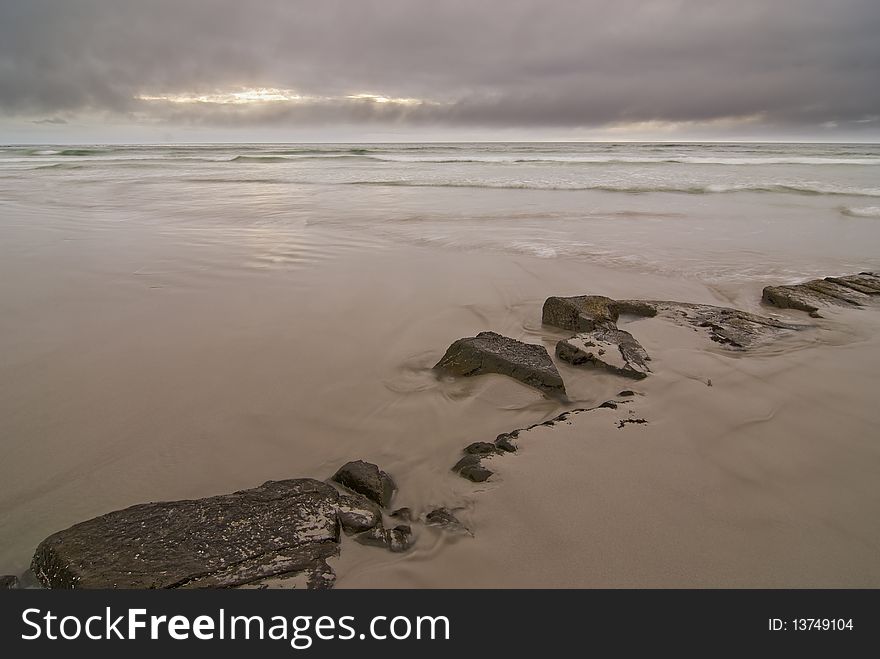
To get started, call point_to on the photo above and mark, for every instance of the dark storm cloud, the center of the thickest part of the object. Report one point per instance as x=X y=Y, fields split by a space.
x=504 y=63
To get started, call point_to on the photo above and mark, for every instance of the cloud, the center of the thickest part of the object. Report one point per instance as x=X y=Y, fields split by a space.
x=494 y=63
x=53 y=121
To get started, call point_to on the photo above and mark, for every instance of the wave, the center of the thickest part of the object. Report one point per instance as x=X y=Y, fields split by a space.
x=866 y=211
x=697 y=189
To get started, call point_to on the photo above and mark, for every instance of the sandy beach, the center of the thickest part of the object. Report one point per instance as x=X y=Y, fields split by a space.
x=164 y=340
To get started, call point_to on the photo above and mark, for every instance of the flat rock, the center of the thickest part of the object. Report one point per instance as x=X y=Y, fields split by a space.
x=606 y=347
x=728 y=327
x=846 y=291
x=367 y=479
x=488 y=352
x=8 y=582
x=444 y=519
x=357 y=513
x=280 y=529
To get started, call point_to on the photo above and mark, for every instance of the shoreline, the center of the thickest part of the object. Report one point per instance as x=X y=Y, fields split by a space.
x=736 y=501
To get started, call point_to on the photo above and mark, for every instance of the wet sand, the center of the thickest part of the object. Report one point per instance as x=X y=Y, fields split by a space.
x=131 y=384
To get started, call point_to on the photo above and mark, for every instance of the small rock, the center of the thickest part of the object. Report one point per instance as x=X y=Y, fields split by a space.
x=443 y=518
x=367 y=479
x=397 y=540
x=400 y=538
x=489 y=352
x=582 y=313
x=623 y=422
x=471 y=467
x=606 y=347
x=8 y=582
x=627 y=393
x=356 y=513
x=482 y=448
x=504 y=441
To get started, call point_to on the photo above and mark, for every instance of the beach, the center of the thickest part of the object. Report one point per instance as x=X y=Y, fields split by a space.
x=179 y=322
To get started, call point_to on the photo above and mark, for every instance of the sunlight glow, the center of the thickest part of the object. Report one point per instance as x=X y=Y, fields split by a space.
x=246 y=96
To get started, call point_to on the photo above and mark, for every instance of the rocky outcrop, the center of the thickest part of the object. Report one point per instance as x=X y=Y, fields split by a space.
x=444 y=519
x=610 y=348
x=489 y=352
x=597 y=315
x=367 y=479
x=281 y=529
x=847 y=291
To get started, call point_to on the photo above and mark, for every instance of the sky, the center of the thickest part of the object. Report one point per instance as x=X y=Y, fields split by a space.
x=155 y=71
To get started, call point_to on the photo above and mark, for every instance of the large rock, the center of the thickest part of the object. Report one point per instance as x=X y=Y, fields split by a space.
x=606 y=347
x=280 y=530
x=581 y=313
x=810 y=296
x=488 y=352
x=357 y=513
x=367 y=479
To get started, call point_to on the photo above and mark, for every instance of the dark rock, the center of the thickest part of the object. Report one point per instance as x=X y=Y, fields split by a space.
x=731 y=328
x=375 y=537
x=489 y=352
x=626 y=393
x=280 y=529
x=367 y=479
x=471 y=467
x=357 y=513
x=8 y=582
x=397 y=540
x=582 y=313
x=482 y=448
x=444 y=519
x=847 y=291
x=504 y=442
x=623 y=422
x=400 y=538
x=614 y=350
x=608 y=404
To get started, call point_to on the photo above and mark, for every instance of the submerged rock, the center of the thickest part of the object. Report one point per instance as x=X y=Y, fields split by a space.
x=356 y=513
x=397 y=540
x=606 y=347
x=471 y=467
x=482 y=448
x=280 y=529
x=444 y=519
x=8 y=582
x=367 y=479
x=810 y=296
x=489 y=352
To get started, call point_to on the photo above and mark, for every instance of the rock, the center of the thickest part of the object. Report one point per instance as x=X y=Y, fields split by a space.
x=397 y=540
x=471 y=467
x=810 y=296
x=444 y=519
x=357 y=513
x=731 y=328
x=482 y=448
x=367 y=479
x=626 y=393
x=606 y=347
x=504 y=442
x=280 y=529
x=375 y=537
x=400 y=538
x=8 y=582
x=489 y=352
x=582 y=313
